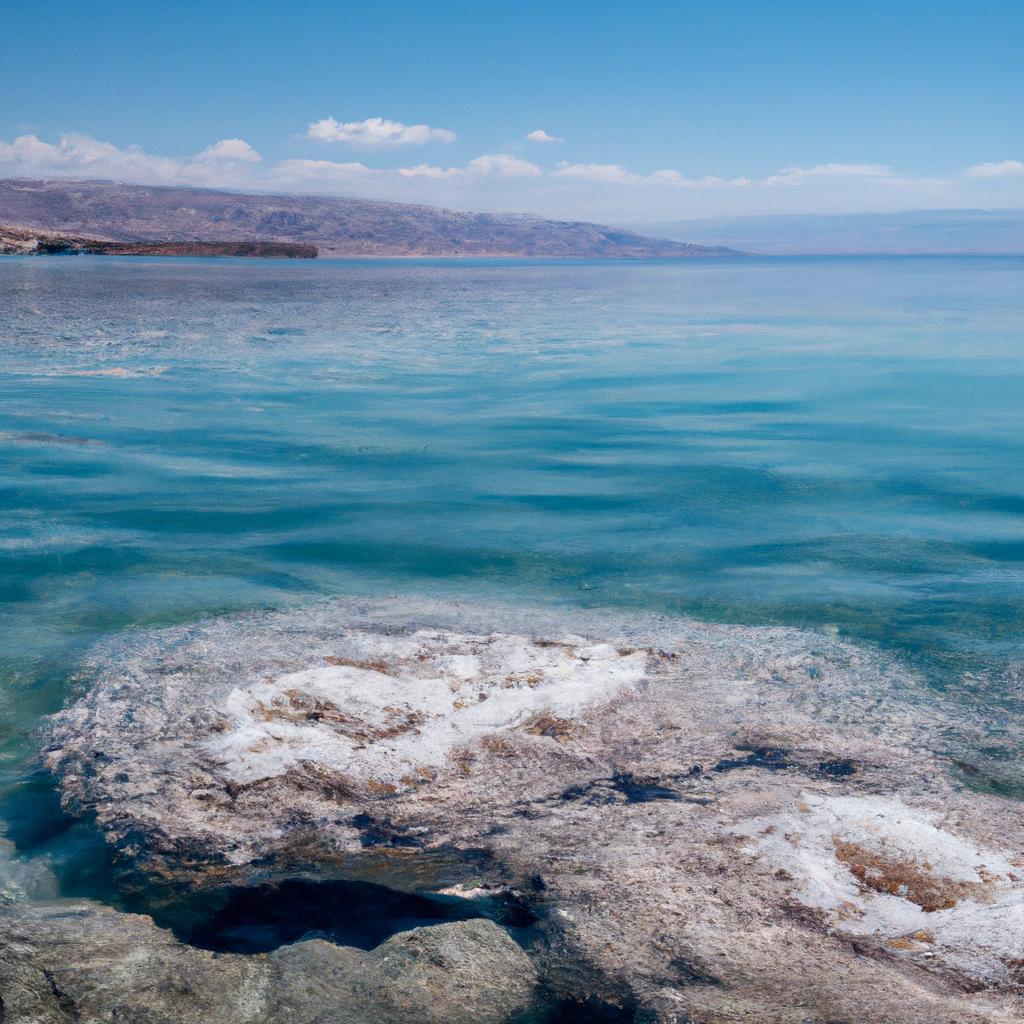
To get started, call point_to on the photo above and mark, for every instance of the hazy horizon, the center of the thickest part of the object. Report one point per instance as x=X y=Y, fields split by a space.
x=907 y=232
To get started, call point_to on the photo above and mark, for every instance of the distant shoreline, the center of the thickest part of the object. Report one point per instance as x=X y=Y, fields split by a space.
x=16 y=241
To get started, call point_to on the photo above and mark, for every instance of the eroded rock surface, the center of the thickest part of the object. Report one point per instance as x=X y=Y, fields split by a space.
x=714 y=824
x=76 y=961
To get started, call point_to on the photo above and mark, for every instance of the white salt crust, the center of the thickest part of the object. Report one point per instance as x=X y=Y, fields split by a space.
x=978 y=934
x=402 y=703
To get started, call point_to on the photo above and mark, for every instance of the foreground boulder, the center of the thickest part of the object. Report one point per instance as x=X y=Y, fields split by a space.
x=712 y=824
x=77 y=961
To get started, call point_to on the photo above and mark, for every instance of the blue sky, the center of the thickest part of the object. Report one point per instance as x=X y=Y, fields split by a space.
x=662 y=109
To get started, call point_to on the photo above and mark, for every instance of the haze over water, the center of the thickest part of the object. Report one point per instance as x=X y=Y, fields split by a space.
x=835 y=444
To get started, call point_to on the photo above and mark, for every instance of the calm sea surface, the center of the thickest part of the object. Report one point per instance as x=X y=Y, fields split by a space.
x=835 y=444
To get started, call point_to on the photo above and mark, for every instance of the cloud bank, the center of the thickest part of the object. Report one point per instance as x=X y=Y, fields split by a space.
x=1001 y=169
x=77 y=156
x=377 y=133
x=616 y=174
x=506 y=182
x=490 y=164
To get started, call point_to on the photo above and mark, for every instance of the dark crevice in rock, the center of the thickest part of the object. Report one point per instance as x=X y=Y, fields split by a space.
x=772 y=759
x=638 y=790
x=262 y=918
x=691 y=972
x=377 y=832
x=837 y=768
x=630 y=788
x=64 y=1001
x=572 y=1011
x=776 y=759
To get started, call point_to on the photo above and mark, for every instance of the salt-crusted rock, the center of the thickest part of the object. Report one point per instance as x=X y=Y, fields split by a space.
x=714 y=824
x=79 y=962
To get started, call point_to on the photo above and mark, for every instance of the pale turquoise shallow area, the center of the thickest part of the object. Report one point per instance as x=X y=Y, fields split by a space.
x=829 y=443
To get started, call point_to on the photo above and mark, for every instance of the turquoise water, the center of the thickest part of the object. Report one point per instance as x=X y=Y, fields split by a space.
x=829 y=443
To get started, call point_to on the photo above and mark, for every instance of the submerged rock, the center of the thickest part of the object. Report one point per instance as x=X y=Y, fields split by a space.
x=77 y=961
x=713 y=824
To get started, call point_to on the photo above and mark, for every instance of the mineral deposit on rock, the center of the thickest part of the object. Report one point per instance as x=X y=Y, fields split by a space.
x=712 y=824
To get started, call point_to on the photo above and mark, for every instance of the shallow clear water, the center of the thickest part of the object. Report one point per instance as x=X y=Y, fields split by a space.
x=829 y=443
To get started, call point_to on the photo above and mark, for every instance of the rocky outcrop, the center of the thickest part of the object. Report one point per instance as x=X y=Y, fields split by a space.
x=79 y=962
x=711 y=824
x=18 y=241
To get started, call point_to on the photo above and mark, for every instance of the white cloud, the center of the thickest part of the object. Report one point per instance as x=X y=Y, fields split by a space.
x=490 y=164
x=798 y=175
x=427 y=171
x=377 y=132
x=614 y=173
x=1000 y=169
x=669 y=177
x=230 y=149
x=77 y=155
x=539 y=135
x=503 y=165
x=326 y=170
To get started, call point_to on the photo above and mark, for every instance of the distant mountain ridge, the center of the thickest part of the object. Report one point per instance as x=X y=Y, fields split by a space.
x=336 y=226
x=910 y=232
